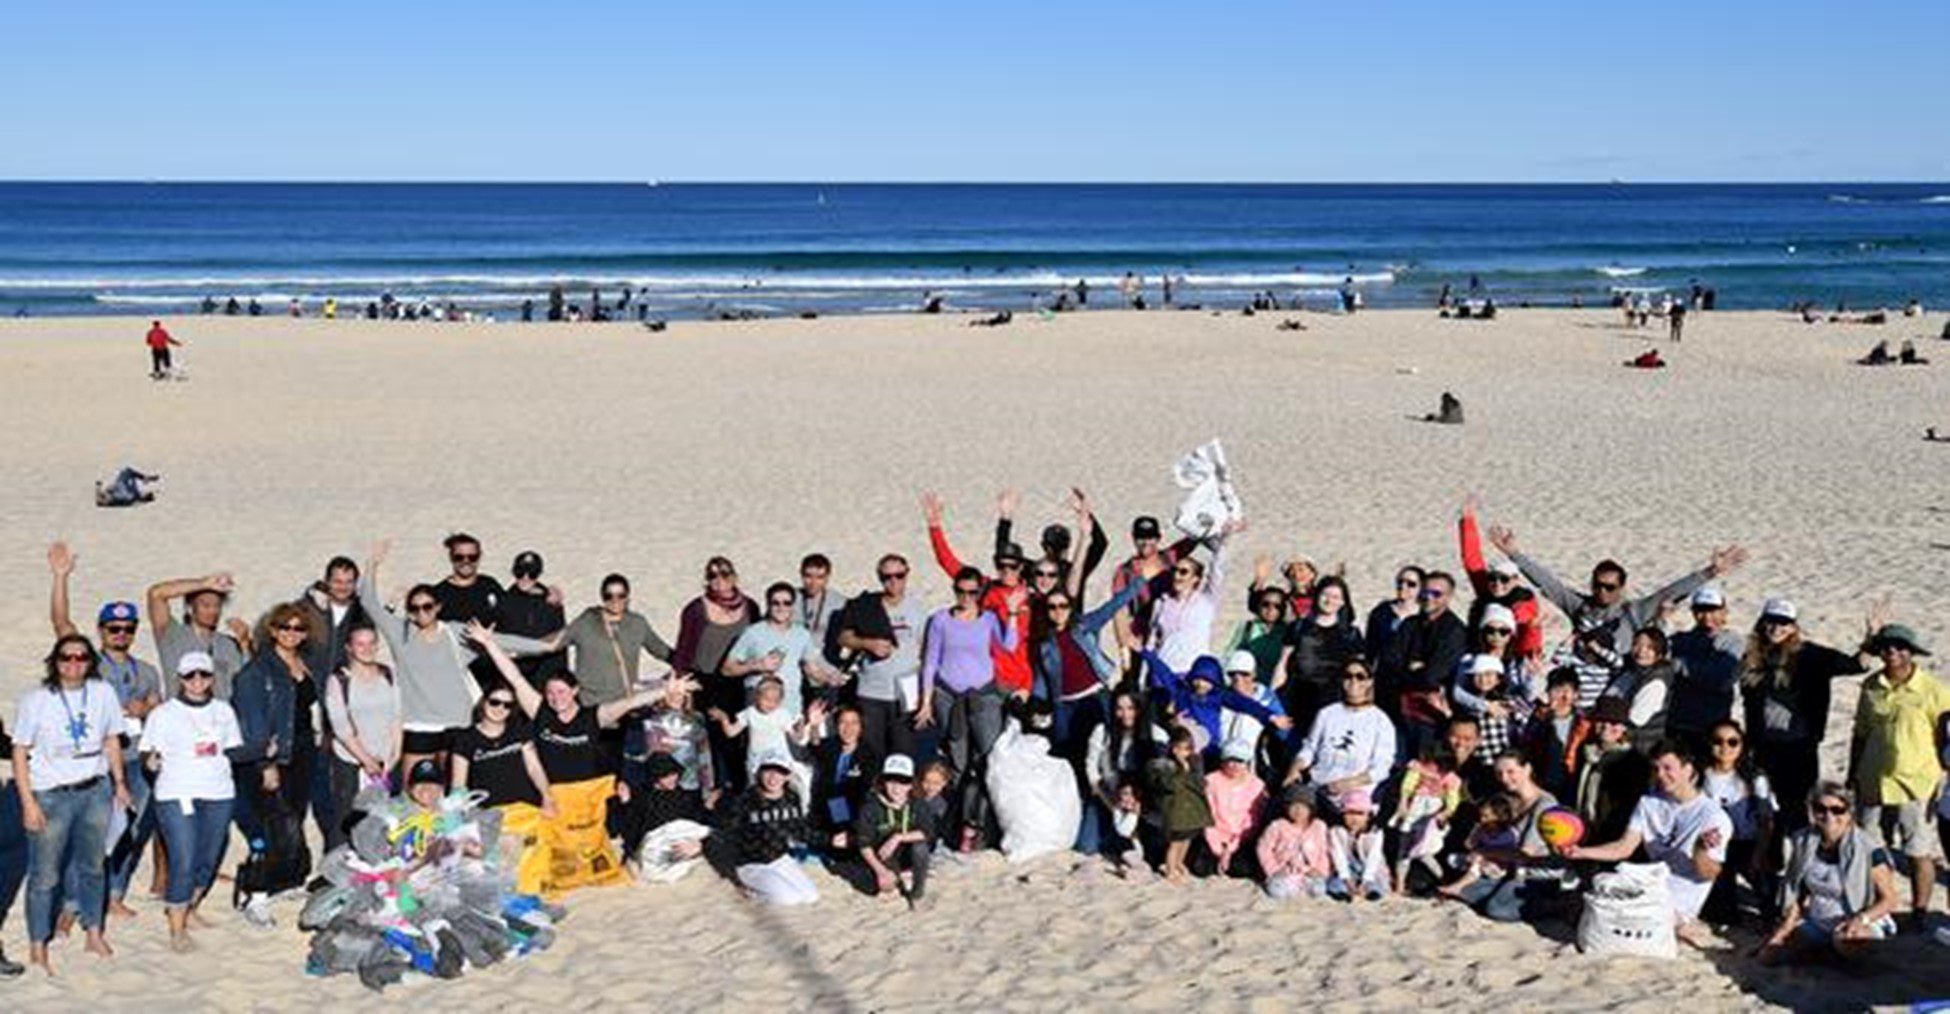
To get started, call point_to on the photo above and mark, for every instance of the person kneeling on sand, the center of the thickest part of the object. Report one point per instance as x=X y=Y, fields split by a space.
x=1838 y=888
x=1680 y=826
x=768 y=830
x=891 y=836
x=1293 y=851
x=1907 y=356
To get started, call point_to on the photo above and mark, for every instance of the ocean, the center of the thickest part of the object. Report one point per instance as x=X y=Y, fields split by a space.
x=691 y=250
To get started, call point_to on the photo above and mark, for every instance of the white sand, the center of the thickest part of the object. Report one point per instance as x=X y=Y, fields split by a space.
x=608 y=448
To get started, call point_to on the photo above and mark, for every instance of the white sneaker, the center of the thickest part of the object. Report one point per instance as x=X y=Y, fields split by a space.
x=257 y=912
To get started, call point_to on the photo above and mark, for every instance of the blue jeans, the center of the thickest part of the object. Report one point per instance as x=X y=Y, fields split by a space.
x=127 y=855
x=196 y=843
x=13 y=850
x=1509 y=899
x=68 y=850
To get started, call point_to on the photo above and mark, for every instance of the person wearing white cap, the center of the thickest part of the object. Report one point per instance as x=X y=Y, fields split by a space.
x=892 y=835
x=766 y=826
x=1606 y=606
x=1500 y=704
x=1241 y=725
x=188 y=744
x=1496 y=633
x=1236 y=796
x=1498 y=584
x=1708 y=656
x=1786 y=681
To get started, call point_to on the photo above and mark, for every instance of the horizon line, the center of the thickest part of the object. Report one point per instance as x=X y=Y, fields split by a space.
x=432 y=181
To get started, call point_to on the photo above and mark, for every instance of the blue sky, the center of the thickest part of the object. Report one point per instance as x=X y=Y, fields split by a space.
x=1004 y=90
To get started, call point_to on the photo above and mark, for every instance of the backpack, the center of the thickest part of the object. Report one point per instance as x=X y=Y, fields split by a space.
x=283 y=863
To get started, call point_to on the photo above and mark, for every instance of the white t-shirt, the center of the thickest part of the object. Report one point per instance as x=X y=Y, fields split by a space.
x=190 y=742
x=1744 y=806
x=766 y=731
x=65 y=732
x=1669 y=830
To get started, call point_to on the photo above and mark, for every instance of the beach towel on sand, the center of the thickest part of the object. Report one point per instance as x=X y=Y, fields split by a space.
x=1211 y=500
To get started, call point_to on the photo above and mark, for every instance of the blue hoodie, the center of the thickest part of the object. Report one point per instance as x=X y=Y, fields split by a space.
x=1202 y=708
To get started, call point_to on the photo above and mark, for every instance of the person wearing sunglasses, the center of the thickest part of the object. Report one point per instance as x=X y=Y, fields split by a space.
x=606 y=644
x=1351 y=744
x=1385 y=620
x=1605 y=604
x=1413 y=677
x=268 y=694
x=496 y=756
x=1679 y=826
x=431 y=659
x=707 y=628
x=959 y=690
x=1182 y=617
x=1838 y=887
x=191 y=744
x=1072 y=670
x=1748 y=797
x=1499 y=584
x=201 y=627
x=1894 y=763
x=1059 y=551
x=1150 y=560
x=884 y=629
x=138 y=686
x=1786 y=683
x=365 y=719
x=466 y=593
x=1708 y=654
x=1314 y=648
x=530 y=608
x=1013 y=674
x=67 y=753
x=780 y=646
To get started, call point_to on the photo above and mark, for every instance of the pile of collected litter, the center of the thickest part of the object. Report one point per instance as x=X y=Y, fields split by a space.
x=421 y=889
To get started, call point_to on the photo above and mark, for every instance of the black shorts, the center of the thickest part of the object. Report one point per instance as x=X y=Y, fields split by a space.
x=426 y=742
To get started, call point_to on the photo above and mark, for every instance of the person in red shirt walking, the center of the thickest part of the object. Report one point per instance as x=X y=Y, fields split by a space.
x=159 y=342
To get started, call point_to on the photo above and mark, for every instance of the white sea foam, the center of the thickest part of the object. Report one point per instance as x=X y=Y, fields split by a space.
x=1936 y=199
x=1615 y=271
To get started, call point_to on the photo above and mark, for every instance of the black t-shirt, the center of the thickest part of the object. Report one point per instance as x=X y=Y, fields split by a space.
x=478 y=601
x=529 y=614
x=301 y=721
x=494 y=766
x=571 y=751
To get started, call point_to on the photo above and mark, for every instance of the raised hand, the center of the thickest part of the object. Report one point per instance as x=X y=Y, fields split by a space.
x=1006 y=503
x=380 y=551
x=60 y=559
x=480 y=633
x=1724 y=560
x=1881 y=613
x=1262 y=570
x=1503 y=539
x=221 y=581
x=931 y=508
x=1472 y=504
x=1079 y=503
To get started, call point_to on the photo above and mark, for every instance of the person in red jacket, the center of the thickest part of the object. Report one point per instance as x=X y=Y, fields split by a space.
x=1498 y=584
x=159 y=342
x=1012 y=672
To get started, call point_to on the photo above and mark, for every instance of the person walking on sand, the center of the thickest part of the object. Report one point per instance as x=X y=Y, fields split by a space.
x=159 y=341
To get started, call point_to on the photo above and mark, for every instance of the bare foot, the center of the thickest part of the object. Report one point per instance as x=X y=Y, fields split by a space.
x=38 y=957
x=98 y=945
x=64 y=923
x=1177 y=877
x=1697 y=935
x=181 y=943
x=121 y=910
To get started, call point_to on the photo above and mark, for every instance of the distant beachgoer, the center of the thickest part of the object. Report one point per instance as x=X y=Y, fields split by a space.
x=1168 y=287
x=159 y=340
x=331 y=309
x=1676 y=320
x=1129 y=287
x=255 y=309
x=1877 y=356
x=1907 y=356
x=1449 y=414
x=1083 y=293
x=296 y=308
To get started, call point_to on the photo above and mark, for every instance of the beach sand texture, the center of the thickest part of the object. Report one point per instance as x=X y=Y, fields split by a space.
x=608 y=448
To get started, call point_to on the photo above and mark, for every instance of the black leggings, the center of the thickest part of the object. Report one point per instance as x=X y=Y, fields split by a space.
x=911 y=856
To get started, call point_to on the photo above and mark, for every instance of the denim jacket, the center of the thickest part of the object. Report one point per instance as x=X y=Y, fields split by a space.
x=1049 y=653
x=266 y=701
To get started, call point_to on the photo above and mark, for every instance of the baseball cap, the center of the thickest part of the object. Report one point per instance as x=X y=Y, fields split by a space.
x=1008 y=551
x=1779 y=609
x=775 y=759
x=898 y=765
x=1506 y=568
x=528 y=562
x=1242 y=661
x=425 y=770
x=195 y=661
x=1612 y=709
x=1146 y=527
x=116 y=612
x=1498 y=616
x=1237 y=749
x=1709 y=597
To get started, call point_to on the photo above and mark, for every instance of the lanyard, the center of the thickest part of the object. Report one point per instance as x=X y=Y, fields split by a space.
x=77 y=724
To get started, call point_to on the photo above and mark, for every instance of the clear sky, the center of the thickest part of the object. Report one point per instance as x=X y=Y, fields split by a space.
x=1002 y=90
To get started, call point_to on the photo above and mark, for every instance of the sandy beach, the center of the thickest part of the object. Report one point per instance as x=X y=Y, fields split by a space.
x=609 y=448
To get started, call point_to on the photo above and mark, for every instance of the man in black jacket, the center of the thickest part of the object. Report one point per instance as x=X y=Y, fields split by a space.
x=1420 y=661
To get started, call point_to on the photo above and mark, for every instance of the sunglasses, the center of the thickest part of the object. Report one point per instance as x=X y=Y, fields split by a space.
x=1008 y=565
x=1431 y=594
x=464 y=557
x=499 y=702
x=1726 y=741
x=1356 y=677
x=118 y=628
x=616 y=596
x=780 y=603
x=199 y=674
x=1605 y=586
x=1059 y=607
x=294 y=628
x=1497 y=632
x=967 y=591
x=1046 y=572
x=1184 y=572
x=1828 y=810
x=422 y=607
x=1408 y=583
x=71 y=657
x=1776 y=621
x=1501 y=579
x=893 y=575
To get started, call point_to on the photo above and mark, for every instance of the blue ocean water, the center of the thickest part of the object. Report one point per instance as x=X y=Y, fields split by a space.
x=699 y=249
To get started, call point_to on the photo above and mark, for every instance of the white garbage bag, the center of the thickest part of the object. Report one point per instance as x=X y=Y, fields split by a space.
x=658 y=863
x=1629 y=912
x=1034 y=794
x=1212 y=501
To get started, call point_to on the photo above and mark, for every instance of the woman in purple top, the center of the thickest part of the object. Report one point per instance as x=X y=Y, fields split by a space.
x=958 y=689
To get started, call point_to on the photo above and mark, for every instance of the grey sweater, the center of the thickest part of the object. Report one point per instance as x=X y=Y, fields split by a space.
x=435 y=689
x=1624 y=618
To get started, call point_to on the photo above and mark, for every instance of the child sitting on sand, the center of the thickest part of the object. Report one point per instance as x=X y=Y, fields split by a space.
x=1358 y=852
x=931 y=793
x=1294 y=852
x=1431 y=791
x=1495 y=832
x=1178 y=793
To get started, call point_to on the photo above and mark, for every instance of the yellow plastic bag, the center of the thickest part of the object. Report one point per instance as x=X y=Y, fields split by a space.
x=521 y=828
x=573 y=849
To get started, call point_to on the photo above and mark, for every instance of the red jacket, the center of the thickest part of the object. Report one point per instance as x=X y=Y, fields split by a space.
x=1529 y=639
x=159 y=339
x=1012 y=673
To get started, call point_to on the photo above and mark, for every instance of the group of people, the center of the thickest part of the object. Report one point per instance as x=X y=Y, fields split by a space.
x=1418 y=749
